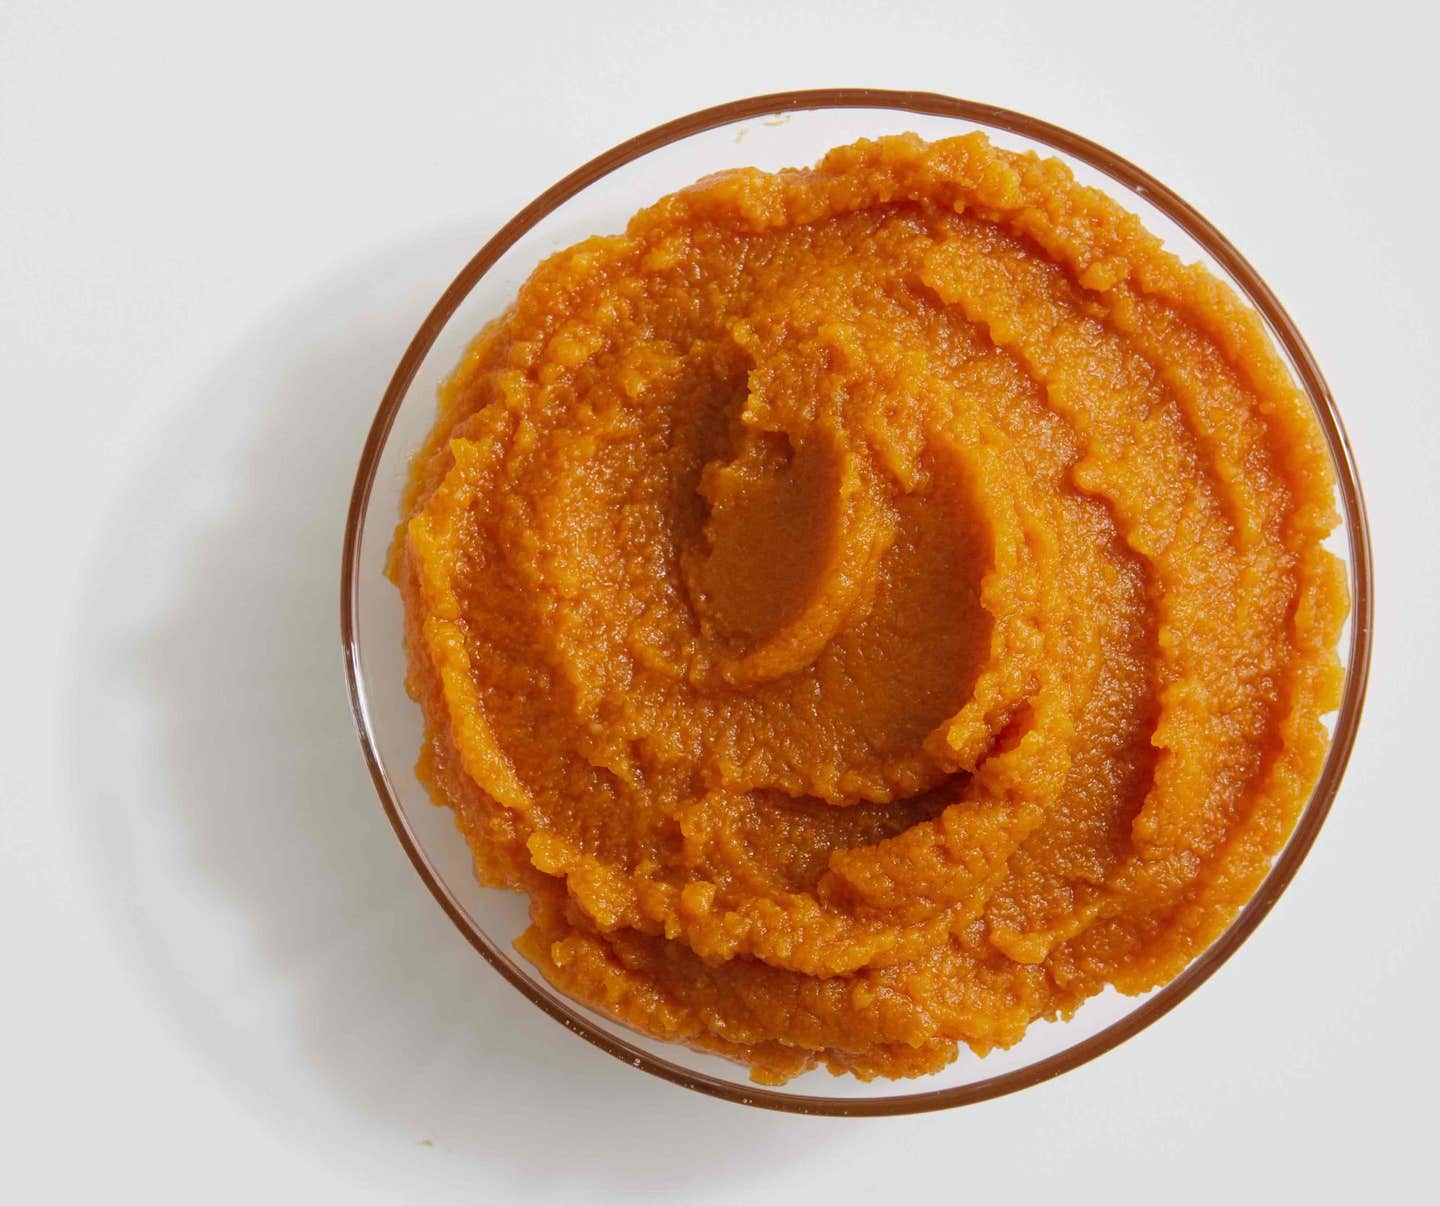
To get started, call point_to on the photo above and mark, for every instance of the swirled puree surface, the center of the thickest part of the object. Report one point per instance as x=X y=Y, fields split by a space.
x=871 y=608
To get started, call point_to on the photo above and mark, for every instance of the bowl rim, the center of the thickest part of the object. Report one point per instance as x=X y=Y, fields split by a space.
x=1283 y=328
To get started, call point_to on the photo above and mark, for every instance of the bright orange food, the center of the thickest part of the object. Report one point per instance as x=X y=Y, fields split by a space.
x=871 y=608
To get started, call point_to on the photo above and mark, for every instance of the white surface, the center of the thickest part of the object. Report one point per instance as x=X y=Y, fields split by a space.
x=222 y=981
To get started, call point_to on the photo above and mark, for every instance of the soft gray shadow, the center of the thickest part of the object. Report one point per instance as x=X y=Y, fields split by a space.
x=235 y=838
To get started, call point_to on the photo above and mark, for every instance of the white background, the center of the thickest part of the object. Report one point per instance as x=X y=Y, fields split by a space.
x=220 y=980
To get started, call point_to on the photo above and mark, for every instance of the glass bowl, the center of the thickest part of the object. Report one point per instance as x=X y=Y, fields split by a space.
x=780 y=130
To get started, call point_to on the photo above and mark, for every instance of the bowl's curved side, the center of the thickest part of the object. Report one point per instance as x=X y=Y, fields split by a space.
x=1286 y=334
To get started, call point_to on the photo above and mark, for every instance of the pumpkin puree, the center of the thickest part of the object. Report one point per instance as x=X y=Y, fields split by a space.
x=871 y=608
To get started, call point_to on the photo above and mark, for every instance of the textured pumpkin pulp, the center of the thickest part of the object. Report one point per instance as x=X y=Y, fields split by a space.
x=871 y=608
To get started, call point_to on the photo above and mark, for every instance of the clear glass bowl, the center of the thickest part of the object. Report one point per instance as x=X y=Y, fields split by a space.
x=781 y=130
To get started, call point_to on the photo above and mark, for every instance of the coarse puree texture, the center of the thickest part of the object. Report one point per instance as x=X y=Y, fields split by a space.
x=871 y=608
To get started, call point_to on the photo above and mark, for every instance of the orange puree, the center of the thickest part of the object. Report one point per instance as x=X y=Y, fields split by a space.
x=869 y=609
